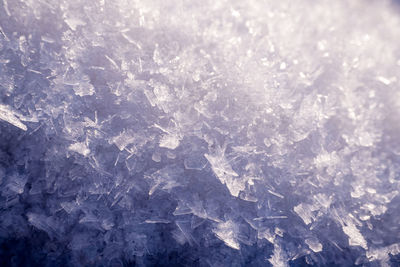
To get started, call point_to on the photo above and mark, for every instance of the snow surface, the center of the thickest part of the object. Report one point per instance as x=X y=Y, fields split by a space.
x=199 y=133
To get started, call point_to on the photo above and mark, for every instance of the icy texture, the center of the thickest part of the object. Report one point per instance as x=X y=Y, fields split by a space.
x=199 y=133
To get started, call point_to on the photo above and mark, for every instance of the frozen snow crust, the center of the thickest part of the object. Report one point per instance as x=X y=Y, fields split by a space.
x=199 y=133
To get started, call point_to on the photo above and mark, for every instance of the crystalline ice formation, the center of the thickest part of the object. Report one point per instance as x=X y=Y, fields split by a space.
x=9 y=116
x=199 y=133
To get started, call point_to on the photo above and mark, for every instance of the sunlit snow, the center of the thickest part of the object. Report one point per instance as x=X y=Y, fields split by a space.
x=199 y=133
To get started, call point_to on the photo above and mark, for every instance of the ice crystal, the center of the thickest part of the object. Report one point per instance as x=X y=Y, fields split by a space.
x=208 y=133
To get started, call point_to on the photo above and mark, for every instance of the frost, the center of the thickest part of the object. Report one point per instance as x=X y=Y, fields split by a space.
x=68 y=206
x=384 y=80
x=157 y=221
x=73 y=23
x=304 y=212
x=383 y=254
x=226 y=231
x=212 y=133
x=169 y=141
x=223 y=170
x=314 y=244
x=355 y=237
x=80 y=148
x=14 y=185
x=195 y=162
x=166 y=179
x=8 y=115
x=44 y=223
x=83 y=89
x=278 y=258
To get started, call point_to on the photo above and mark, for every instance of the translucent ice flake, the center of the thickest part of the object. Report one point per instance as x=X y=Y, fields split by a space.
x=183 y=233
x=84 y=89
x=69 y=206
x=152 y=221
x=227 y=231
x=89 y=218
x=385 y=80
x=355 y=237
x=314 y=244
x=326 y=159
x=47 y=39
x=6 y=9
x=266 y=234
x=182 y=209
x=171 y=138
x=383 y=254
x=80 y=148
x=374 y=209
x=10 y=116
x=166 y=179
x=275 y=194
x=46 y=224
x=195 y=162
x=107 y=224
x=305 y=213
x=14 y=185
x=73 y=23
x=224 y=172
x=156 y=157
x=113 y=63
x=278 y=257
x=122 y=140
x=323 y=201
x=163 y=97
x=169 y=141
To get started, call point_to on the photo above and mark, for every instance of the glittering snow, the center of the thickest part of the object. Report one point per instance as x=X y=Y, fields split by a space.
x=199 y=133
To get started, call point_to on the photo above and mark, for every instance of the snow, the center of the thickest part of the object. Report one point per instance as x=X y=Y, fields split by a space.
x=80 y=148
x=226 y=231
x=208 y=133
x=314 y=244
x=355 y=237
x=8 y=115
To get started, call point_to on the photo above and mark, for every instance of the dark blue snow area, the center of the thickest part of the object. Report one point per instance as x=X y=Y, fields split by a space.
x=199 y=133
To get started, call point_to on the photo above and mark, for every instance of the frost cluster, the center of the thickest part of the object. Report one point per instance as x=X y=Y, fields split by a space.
x=199 y=133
